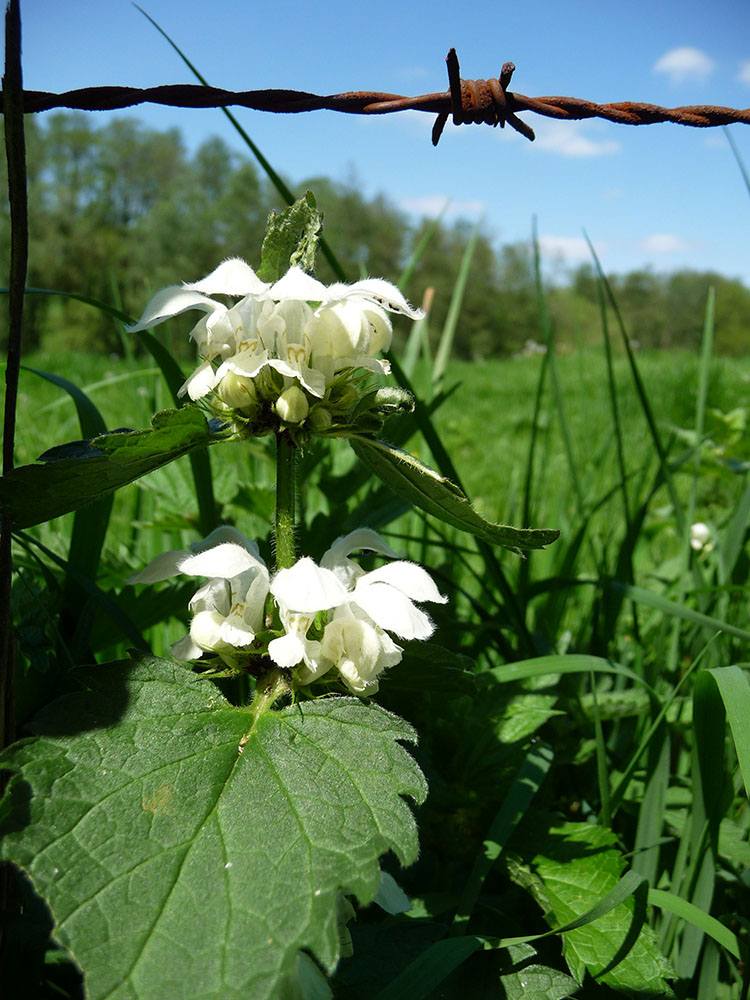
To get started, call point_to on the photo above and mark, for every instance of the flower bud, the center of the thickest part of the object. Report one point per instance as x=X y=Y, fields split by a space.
x=344 y=396
x=292 y=406
x=237 y=391
x=269 y=384
x=320 y=419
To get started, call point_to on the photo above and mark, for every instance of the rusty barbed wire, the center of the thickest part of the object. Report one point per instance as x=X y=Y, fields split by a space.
x=466 y=102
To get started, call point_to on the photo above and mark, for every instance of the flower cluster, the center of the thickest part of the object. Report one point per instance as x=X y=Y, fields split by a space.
x=332 y=616
x=278 y=354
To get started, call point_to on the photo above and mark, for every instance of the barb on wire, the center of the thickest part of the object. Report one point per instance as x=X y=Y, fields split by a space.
x=467 y=101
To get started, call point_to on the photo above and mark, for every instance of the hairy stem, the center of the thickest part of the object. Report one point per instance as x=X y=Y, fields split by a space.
x=286 y=453
x=270 y=688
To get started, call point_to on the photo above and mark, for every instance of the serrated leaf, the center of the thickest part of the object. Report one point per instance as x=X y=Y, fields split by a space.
x=438 y=496
x=83 y=471
x=615 y=704
x=527 y=980
x=188 y=849
x=577 y=866
x=291 y=239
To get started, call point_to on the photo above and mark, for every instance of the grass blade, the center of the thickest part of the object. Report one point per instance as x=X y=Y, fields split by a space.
x=520 y=796
x=692 y=914
x=672 y=608
x=428 y=971
x=709 y=723
x=200 y=463
x=643 y=398
x=548 y=332
x=651 y=812
x=454 y=309
x=738 y=158
x=275 y=178
x=88 y=534
x=735 y=691
x=575 y=663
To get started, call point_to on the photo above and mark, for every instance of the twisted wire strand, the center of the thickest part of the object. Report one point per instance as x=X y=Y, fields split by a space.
x=466 y=102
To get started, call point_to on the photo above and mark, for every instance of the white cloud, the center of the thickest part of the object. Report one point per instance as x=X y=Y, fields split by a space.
x=571 y=248
x=663 y=243
x=743 y=74
x=417 y=122
x=568 y=139
x=685 y=62
x=433 y=204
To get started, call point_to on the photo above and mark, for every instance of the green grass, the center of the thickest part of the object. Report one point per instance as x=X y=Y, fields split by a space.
x=591 y=646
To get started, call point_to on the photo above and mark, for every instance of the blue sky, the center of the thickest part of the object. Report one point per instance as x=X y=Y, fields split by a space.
x=663 y=196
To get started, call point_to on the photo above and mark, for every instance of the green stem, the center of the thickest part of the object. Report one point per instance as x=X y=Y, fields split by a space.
x=270 y=688
x=285 y=458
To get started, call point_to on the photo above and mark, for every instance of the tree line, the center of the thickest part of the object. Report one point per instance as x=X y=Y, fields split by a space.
x=119 y=210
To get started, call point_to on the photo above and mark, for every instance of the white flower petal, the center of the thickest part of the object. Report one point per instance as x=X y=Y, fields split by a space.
x=170 y=564
x=225 y=533
x=314 y=381
x=205 y=630
x=378 y=365
x=172 y=301
x=296 y=284
x=287 y=651
x=376 y=290
x=162 y=568
x=186 y=649
x=231 y=277
x=390 y=896
x=407 y=577
x=380 y=329
x=234 y=632
x=225 y=560
x=351 y=676
x=247 y=363
x=214 y=595
x=200 y=383
x=391 y=609
x=355 y=541
x=307 y=588
x=306 y=674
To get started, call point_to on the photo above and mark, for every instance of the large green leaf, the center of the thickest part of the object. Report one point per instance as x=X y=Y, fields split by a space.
x=190 y=849
x=438 y=496
x=577 y=866
x=78 y=473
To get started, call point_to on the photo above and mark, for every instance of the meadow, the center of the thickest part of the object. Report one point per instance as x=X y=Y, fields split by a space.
x=587 y=651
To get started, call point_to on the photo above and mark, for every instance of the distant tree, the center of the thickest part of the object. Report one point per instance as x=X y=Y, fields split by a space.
x=118 y=210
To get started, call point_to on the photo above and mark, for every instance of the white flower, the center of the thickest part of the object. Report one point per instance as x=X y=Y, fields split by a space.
x=301 y=592
x=386 y=595
x=349 y=611
x=228 y=609
x=363 y=605
x=299 y=327
x=700 y=537
x=358 y=649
